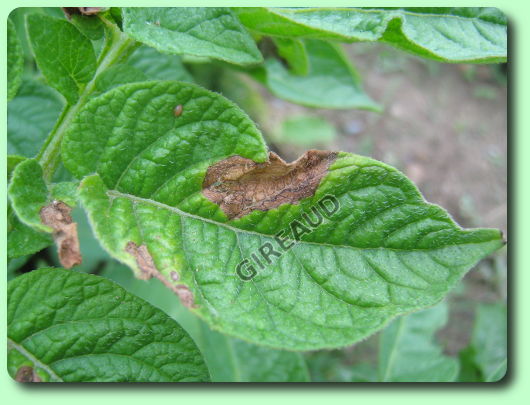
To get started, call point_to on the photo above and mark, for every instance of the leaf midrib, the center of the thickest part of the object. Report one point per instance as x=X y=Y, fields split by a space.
x=285 y=12
x=36 y=362
x=117 y=194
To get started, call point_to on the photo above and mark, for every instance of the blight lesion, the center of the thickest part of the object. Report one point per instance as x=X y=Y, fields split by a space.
x=240 y=185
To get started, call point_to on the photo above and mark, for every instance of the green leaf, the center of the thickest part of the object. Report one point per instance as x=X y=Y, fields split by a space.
x=308 y=131
x=408 y=353
x=384 y=253
x=228 y=359
x=489 y=341
x=116 y=75
x=293 y=51
x=207 y=32
x=65 y=191
x=332 y=81
x=65 y=56
x=30 y=117
x=12 y=162
x=76 y=327
x=15 y=61
x=444 y=34
x=159 y=66
x=28 y=193
x=90 y=26
x=23 y=240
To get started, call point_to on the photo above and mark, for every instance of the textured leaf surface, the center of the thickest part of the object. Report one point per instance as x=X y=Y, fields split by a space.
x=408 y=353
x=228 y=359
x=22 y=240
x=444 y=34
x=71 y=326
x=28 y=193
x=211 y=32
x=65 y=56
x=30 y=117
x=384 y=253
x=331 y=82
x=15 y=61
x=118 y=74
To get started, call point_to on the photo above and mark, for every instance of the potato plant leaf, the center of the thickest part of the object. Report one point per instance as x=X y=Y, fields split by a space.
x=467 y=34
x=28 y=193
x=408 y=353
x=22 y=240
x=189 y=198
x=293 y=51
x=208 y=32
x=15 y=61
x=159 y=66
x=69 y=326
x=228 y=359
x=30 y=117
x=487 y=350
x=331 y=81
x=64 y=55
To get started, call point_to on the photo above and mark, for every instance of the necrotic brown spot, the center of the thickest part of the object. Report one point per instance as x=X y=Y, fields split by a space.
x=27 y=374
x=57 y=216
x=177 y=110
x=146 y=264
x=240 y=185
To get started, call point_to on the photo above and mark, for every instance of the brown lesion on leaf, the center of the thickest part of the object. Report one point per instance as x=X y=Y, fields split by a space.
x=146 y=264
x=240 y=185
x=27 y=374
x=57 y=216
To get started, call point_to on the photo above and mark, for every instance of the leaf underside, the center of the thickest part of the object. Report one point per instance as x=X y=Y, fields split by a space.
x=467 y=34
x=384 y=253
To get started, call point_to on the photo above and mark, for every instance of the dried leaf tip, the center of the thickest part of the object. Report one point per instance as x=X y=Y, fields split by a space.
x=146 y=264
x=57 y=216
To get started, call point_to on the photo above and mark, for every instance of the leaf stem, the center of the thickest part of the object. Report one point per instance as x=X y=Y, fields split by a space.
x=118 y=46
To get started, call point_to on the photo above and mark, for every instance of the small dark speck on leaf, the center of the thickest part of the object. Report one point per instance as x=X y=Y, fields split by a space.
x=177 y=111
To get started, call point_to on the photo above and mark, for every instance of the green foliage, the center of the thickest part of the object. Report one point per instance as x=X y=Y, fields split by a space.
x=71 y=326
x=147 y=190
x=306 y=131
x=30 y=117
x=139 y=138
x=158 y=66
x=15 y=61
x=89 y=26
x=485 y=359
x=228 y=359
x=28 y=193
x=331 y=81
x=207 y=32
x=444 y=34
x=65 y=56
x=293 y=51
x=411 y=337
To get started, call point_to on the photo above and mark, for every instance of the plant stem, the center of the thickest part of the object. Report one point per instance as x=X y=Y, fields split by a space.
x=117 y=48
